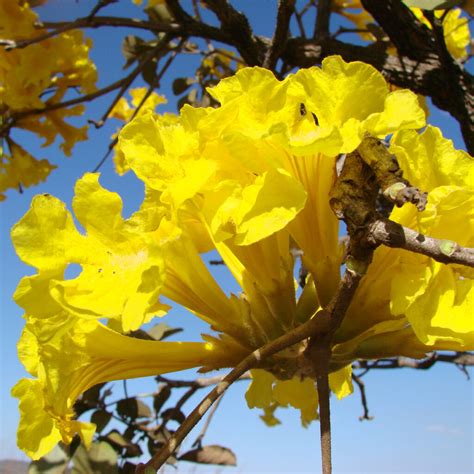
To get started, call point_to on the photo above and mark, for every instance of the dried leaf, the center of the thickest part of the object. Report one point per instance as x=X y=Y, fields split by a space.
x=211 y=454
x=160 y=398
x=101 y=418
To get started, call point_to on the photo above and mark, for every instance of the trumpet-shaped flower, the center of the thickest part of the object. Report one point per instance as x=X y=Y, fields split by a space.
x=77 y=356
x=251 y=179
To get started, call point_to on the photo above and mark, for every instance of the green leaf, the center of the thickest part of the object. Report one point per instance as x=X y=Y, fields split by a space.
x=116 y=439
x=189 y=98
x=132 y=408
x=433 y=4
x=212 y=454
x=140 y=334
x=100 y=459
x=149 y=71
x=54 y=462
x=101 y=418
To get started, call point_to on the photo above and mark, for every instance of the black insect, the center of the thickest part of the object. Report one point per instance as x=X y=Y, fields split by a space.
x=303 y=112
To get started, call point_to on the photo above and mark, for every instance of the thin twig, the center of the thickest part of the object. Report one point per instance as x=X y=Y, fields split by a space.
x=100 y=4
x=319 y=352
x=391 y=234
x=325 y=424
x=365 y=416
x=461 y=358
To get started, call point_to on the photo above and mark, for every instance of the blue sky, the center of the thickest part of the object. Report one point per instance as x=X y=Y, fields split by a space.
x=423 y=420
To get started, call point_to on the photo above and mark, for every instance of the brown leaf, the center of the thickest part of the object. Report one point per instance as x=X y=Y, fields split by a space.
x=211 y=454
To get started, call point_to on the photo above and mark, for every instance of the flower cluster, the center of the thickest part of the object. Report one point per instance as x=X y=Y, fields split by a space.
x=35 y=78
x=251 y=180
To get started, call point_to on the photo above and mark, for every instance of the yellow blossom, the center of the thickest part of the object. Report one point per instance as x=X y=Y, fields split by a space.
x=20 y=169
x=251 y=179
x=121 y=273
x=123 y=111
x=39 y=75
x=79 y=355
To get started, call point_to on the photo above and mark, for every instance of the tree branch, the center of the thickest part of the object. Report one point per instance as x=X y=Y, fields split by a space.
x=363 y=398
x=285 y=11
x=323 y=15
x=459 y=358
x=198 y=441
x=391 y=234
x=188 y=28
x=236 y=25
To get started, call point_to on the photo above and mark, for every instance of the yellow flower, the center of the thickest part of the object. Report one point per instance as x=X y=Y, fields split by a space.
x=262 y=139
x=123 y=111
x=78 y=355
x=227 y=167
x=21 y=170
x=122 y=272
x=58 y=62
x=28 y=77
x=251 y=179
